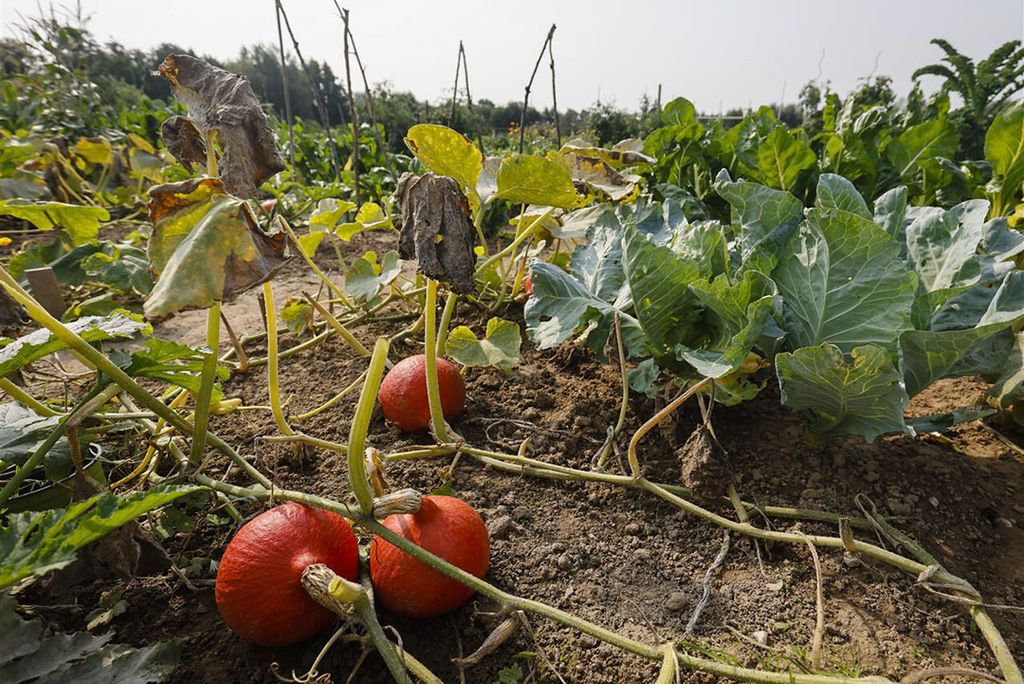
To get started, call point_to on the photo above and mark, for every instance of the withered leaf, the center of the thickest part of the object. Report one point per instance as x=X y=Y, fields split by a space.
x=224 y=102
x=436 y=229
x=206 y=246
x=184 y=141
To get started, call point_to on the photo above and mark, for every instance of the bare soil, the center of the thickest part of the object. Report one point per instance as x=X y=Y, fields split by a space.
x=619 y=558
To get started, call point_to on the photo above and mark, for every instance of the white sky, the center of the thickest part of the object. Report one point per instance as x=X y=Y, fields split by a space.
x=718 y=53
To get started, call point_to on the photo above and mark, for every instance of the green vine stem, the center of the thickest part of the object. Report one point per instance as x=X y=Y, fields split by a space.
x=358 y=480
x=437 y=424
x=104 y=365
x=22 y=397
x=336 y=325
x=513 y=602
x=523 y=236
x=341 y=596
x=308 y=258
x=92 y=401
x=202 y=415
x=275 y=395
x=446 y=321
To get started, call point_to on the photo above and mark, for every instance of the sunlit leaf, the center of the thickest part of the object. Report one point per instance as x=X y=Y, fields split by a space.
x=81 y=223
x=531 y=179
x=94 y=150
x=1004 y=148
x=499 y=347
x=27 y=348
x=782 y=160
x=936 y=138
x=365 y=278
x=206 y=246
x=446 y=153
x=865 y=398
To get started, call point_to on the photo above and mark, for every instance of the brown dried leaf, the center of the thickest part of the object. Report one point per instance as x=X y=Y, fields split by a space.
x=224 y=102
x=184 y=141
x=436 y=229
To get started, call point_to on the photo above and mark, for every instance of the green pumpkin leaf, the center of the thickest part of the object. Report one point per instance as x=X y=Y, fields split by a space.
x=365 y=278
x=499 y=348
x=328 y=212
x=81 y=223
x=38 y=543
x=865 y=398
x=16 y=353
x=532 y=179
x=32 y=654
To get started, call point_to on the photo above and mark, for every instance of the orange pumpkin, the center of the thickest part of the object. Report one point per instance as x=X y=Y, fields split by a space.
x=259 y=587
x=445 y=526
x=403 y=393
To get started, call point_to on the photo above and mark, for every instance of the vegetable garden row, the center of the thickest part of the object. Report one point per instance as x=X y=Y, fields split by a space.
x=706 y=265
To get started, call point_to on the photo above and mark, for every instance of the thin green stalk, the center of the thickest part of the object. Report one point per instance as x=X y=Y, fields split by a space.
x=437 y=424
x=104 y=365
x=386 y=649
x=332 y=401
x=336 y=325
x=478 y=221
x=275 y=395
x=316 y=269
x=446 y=321
x=358 y=480
x=22 y=397
x=201 y=421
x=92 y=401
x=526 y=234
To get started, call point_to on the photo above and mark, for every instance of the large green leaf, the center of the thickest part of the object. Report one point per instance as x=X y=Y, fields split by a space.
x=928 y=355
x=762 y=219
x=31 y=655
x=206 y=246
x=37 y=543
x=917 y=144
x=843 y=282
x=733 y=320
x=22 y=431
x=27 y=348
x=890 y=212
x=782 y=159
x=1000 y=242
x=171 y=362
x=532 y=179
x=81 y=223
x=659 y=281
x=942 y=246
x=865 y=398
x=561 y=305
x=835 y=192
x=498 y=348
x=446 y=153
x=1004 y=149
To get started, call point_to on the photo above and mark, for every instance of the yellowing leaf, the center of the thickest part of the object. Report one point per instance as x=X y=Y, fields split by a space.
x=446 y=153
x=531 y=179
x=205 y=247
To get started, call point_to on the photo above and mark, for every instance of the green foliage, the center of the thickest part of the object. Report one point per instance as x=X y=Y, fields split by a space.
x=33 y=655
x=498 y=348
x=36 y=543
x=80 y=224
x=16 y=353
